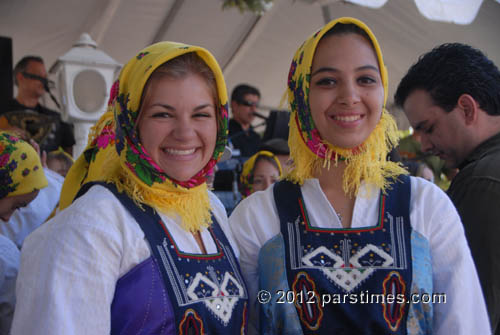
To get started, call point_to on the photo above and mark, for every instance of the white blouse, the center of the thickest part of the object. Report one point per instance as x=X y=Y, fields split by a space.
x=70 y=265
x=255 y=221
x=24 y=220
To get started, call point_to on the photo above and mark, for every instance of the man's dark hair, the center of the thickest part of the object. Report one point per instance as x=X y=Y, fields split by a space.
x=450 y=70
x=23 y=64
x=241 y=90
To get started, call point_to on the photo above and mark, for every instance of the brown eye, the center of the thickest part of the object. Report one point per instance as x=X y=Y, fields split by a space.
x=367 y=80
x=326 y=82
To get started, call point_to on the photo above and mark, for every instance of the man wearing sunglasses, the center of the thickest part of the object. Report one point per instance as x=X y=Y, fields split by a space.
x=244 y=103
x=30 y=77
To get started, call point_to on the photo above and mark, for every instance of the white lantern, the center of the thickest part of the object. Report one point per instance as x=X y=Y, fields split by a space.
x=84 y=76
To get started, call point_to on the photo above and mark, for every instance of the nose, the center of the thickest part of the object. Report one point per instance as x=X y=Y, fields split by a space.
x=348 y=94
x=6 y=216
x=267 y=183
x=425 y=143
x=184 y=129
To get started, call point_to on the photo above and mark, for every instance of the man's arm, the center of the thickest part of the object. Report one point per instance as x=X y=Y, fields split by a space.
x=478 y=203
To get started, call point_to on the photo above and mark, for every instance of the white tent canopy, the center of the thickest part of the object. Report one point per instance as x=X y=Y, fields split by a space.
x=251 y=49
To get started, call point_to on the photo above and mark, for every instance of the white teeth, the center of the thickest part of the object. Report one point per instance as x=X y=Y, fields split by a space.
x=351 y=118
x=179 y=152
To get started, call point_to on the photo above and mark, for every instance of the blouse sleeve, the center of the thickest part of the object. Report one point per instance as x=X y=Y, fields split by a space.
x=253 y=222
x=69 y=268
x=454 y=273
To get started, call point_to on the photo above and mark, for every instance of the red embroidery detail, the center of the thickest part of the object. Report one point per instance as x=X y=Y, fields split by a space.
x=243 y=329
x=179 y=253
x=308 y=227
x=393 y=312
x=191 y=323
x=308 y=306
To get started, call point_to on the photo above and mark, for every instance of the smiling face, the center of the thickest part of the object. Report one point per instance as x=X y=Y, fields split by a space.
x=177 y=124
x=440 y=133
x=9 y=205
x=346 y=92
x=265 y=174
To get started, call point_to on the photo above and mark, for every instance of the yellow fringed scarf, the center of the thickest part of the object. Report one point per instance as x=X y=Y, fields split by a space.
x=310 y=153
x=115 y=155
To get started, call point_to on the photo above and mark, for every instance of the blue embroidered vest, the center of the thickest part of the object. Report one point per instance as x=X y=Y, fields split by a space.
x=344 y=281
x=173 y=292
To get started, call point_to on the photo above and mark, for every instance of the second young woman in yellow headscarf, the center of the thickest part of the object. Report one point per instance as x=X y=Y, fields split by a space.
x=347 y=240
x=141 y=245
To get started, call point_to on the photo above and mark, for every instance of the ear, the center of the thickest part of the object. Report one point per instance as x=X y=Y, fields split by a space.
x=469 y=107
x=19 y=77
x=233 y=106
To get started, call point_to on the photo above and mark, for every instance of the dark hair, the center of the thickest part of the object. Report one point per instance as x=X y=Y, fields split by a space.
x=347 y=28
x=450 y=70
x=241 y=90
x=23 y=64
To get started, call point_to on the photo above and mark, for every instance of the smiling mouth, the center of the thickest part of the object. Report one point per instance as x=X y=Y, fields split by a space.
x=178 y=152
x=349 y=118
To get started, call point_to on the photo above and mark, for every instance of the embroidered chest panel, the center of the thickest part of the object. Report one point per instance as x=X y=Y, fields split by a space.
x=348 y=257
x=213 y=280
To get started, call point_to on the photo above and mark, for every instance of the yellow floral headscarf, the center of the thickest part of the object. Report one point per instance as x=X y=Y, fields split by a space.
x=310 y=152
x=246 y=177
x=115 y=155
x=20 y=169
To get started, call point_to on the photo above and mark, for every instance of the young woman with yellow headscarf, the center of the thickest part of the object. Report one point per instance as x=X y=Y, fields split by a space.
x=259 y=172
x=141 y=245
x=21 y=178
x=343 y=243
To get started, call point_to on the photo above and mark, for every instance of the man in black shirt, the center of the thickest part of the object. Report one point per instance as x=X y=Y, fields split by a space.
x=451 y=97
x=244 y=102
x=30 y=77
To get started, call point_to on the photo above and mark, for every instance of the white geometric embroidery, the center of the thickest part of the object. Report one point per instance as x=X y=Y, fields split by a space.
x=347 y=276
x=329 y=258
x=385 y=260
x=219 y=300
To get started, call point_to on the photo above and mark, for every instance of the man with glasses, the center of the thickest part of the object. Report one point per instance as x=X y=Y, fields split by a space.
x=30 y=77
x=244 y=102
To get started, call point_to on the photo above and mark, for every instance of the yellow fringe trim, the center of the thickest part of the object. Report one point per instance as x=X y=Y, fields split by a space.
x=191 y=206
x=369 y=164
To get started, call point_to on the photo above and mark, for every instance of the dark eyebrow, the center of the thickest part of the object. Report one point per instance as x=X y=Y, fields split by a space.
x=420 y=125
x=332 y=69
x=324 y=69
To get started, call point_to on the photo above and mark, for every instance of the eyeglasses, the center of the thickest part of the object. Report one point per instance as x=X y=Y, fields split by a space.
x=249 y=103
x=46 y=82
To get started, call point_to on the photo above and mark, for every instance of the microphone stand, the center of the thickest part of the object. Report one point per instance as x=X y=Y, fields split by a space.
x=47 y=89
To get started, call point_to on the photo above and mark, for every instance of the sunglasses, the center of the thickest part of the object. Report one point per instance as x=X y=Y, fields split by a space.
x=249 y=103
x=46 y=82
